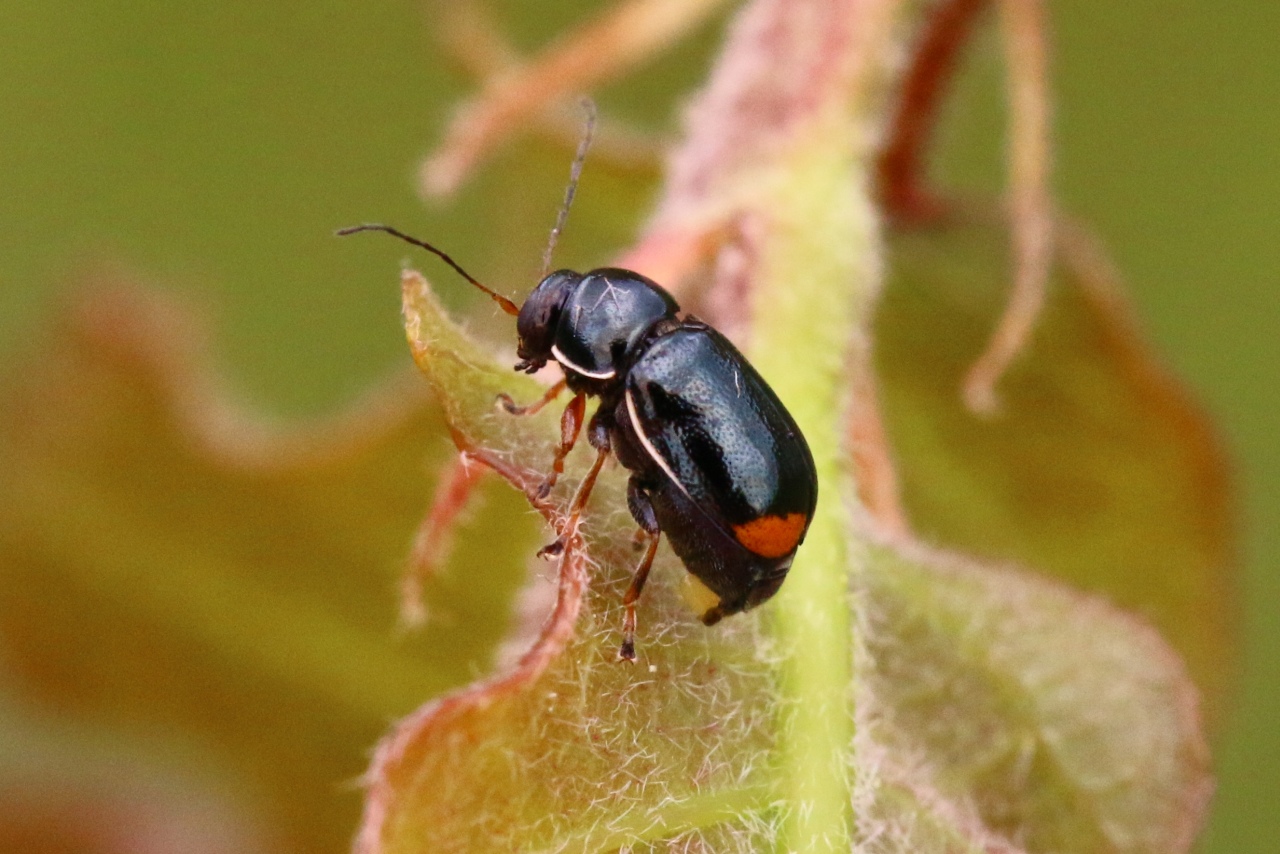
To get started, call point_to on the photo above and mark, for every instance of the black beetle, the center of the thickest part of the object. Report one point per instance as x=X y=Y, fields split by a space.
x=717 y=463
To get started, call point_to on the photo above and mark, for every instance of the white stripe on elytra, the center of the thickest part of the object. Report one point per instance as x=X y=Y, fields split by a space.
x=595 y=375
x=648 y=446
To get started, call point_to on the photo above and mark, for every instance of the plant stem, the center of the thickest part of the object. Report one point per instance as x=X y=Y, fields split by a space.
x=818 y=269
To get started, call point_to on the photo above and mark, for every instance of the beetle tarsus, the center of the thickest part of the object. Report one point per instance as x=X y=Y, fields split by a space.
x=544 y=488
x=638 y=501
x=627 y=652
x=534 y=408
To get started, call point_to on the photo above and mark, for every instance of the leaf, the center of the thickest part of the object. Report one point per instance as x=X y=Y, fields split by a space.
x=985 y=721
x=519 y=761
x=226 y=588
x=1011 y=708
x=1099 y=469
x=178 y=570
x=59 y=792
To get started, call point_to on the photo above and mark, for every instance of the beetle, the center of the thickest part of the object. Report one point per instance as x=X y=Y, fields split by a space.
x=716 y=461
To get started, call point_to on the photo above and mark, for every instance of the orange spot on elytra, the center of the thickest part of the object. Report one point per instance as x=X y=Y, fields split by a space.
x=771 y=536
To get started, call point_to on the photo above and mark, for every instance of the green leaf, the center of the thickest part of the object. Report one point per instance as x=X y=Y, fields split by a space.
x=178 y=570
x=992 y=707
x=186 y=573
x=224 y=589
x=1005 y=706
x=1099 y=469
x=588 y=753
x=67 y=793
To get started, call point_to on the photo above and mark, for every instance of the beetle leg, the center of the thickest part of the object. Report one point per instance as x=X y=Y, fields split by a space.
x=533 y=408
x=570 y=426
x=598 y=437
x=627 y=652
x=642 y=511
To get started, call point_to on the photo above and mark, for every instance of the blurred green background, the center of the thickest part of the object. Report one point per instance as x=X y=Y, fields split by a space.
x=212 y=150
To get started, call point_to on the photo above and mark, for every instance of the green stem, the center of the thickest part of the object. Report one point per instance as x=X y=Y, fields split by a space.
x=818 y=269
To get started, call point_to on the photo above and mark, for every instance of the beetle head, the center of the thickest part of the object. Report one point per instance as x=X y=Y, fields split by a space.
x=539 y=316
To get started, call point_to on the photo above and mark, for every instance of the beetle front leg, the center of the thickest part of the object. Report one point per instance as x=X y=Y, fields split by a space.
x=642 y=511
x=533 y=408
x=570 y=426
x=598 y=438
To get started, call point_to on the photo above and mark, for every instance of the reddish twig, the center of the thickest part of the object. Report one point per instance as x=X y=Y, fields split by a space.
x=933 y=66
x=434 y=538
x=621 y=37
x=1030 y=205
x=874 y=472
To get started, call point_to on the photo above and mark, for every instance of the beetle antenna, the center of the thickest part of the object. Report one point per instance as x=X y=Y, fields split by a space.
x=507 y=305
x=575 y=172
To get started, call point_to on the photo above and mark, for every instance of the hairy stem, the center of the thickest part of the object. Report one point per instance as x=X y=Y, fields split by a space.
x=817 y=272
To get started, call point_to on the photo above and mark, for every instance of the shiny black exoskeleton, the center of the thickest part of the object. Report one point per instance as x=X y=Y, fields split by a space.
x=716 y=461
